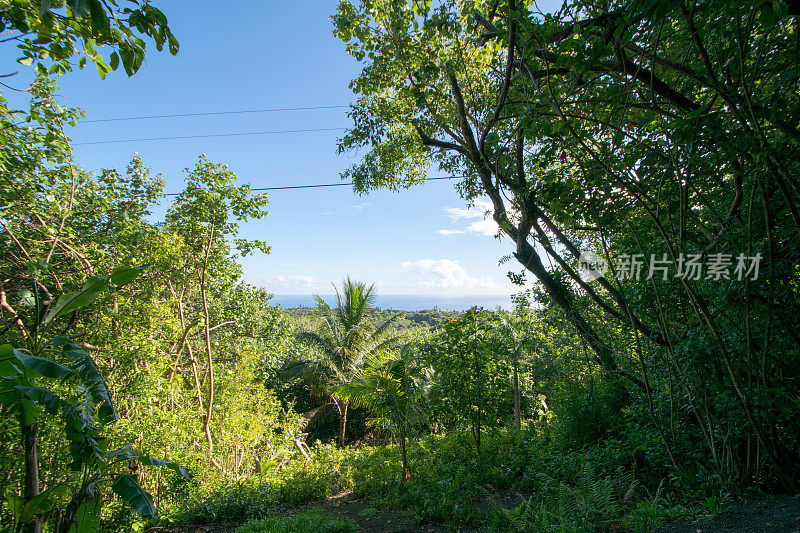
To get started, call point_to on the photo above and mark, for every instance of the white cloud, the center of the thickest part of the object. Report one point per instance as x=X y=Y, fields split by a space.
x=476 y=211
x=486 y=227
x=444 y=273
x=357 y=208
x=481 y=210
x=327 y=213
x=291 y=284
x=449 y=232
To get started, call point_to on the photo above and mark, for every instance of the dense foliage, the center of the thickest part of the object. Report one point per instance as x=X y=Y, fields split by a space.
x=640 y=159
x=659 y=136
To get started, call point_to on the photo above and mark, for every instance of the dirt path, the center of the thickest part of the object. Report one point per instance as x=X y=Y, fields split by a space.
x=373 y=520
x=368 y=518
x=773 y=514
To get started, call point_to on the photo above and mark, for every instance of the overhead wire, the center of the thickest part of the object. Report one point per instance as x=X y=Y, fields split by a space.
x=320 y=185
x=235 y=134
x=208 y=135
x=212 y=113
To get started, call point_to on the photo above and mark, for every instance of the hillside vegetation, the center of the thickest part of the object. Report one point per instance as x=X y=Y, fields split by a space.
x=641 y=161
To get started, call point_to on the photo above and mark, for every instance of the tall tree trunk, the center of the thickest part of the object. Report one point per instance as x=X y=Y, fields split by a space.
x=517 y=399
x=209 y=358
x=342 y=419
x=478 y=432
x=196 y=376
x=404 y=454
x=192 y=360
x=31 y=490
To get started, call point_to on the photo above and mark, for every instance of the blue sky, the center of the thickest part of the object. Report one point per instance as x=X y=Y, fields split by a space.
x=281 y=55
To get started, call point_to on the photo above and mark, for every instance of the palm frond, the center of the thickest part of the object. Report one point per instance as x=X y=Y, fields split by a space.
x=307 y=370
x=382 y=345
x=315 y=340
x=349 y=343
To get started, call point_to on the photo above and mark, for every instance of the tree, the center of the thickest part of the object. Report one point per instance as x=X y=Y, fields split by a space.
x=206 y=216
x=346 y=339
x=135 y=335
x=53 y=32
x=470 y=373
x=49 y=34
x=90 y=408
x=663 y=130
x=388 y=390
x=36 y=153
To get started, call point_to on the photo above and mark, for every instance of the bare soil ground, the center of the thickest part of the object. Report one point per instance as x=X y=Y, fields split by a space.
x=773 y=514
x=373 y=520
x=216 y=527
x=368 y=518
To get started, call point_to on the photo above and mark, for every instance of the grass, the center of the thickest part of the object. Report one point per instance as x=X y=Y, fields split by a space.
x=306 y=521
x=368 y=513
x=450 y=485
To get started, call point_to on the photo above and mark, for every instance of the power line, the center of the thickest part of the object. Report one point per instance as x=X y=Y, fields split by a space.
x=317 y=186
x=208 y=135
x=211 y=113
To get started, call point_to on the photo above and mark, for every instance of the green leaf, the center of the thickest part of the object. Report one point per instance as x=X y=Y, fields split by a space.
x=174 y=46
x=87 y=516
x=8 y=370
x=44 y=367
x=101 y=69
x=74 y=300
x=26 y=298
x=154 y=461
x=80 y=8
x=30 y=410
x=54 y=497
x=87 y=446
x=93 y=286
x=767 y=15
x=50 y=401
x=99 y=19
x=91 y=377
x=129 y=490
x=14 y=504
x=130 y=454
x=122 y=275
x=7 y=360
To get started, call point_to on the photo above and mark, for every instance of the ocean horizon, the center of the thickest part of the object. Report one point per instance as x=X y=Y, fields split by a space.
x=405 y=302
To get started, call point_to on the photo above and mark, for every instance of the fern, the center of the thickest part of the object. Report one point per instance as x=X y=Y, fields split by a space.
x=592 y=502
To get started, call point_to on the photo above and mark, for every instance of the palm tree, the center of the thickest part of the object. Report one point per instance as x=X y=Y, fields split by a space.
x=388 y=390
x=518 y=340
x=345 y=341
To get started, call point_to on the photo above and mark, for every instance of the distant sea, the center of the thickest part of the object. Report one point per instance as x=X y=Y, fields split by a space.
x=400 y=302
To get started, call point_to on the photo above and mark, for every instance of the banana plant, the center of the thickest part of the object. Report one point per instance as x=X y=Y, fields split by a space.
x=29 y=378
x=387 y=388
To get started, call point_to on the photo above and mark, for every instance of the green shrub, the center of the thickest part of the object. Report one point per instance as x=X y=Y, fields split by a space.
x=587 y=414
x=450 y=484
x=589 y=504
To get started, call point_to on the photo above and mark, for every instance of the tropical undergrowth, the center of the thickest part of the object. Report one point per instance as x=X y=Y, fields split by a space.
x=524 y=482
